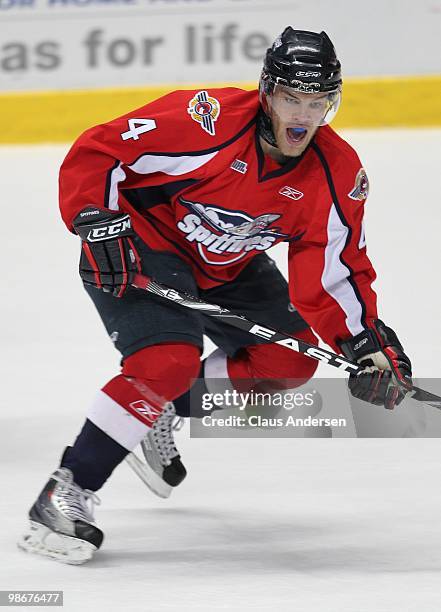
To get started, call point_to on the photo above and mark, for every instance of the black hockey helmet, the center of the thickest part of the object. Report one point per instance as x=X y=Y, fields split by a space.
x=303 y=61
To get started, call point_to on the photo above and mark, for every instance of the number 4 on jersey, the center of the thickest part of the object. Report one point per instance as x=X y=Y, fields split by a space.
x=137 y=127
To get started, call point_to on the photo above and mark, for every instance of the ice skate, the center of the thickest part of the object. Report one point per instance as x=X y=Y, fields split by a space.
x=162 y=469
x=61 y=522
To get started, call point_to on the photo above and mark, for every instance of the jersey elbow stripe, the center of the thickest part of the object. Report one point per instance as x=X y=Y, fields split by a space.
x=108 y=189
x=344 y=223
x=117 y=176
x=150 y=164
x=173 y=166
x=335 y=276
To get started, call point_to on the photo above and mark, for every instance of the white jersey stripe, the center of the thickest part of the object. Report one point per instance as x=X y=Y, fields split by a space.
x=148 y=164
x=362 y=241
x=174 y=166
x=116 y=422
x=335 y=274
x=116 y=177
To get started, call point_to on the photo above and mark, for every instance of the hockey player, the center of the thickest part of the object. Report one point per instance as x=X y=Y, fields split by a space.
x=191 y=190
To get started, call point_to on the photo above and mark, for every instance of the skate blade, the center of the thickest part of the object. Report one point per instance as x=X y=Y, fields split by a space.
x=41 y=540
x=149 y=476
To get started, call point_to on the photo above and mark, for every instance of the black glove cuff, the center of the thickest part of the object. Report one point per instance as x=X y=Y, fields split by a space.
x=370 y=341
x=95 y=225
x=362 y=344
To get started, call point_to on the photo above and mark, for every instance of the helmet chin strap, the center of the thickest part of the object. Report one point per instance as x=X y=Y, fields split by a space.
x=265 y=128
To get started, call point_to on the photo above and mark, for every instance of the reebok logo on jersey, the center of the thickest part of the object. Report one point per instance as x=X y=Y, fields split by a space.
x=291 y=193
x=239 y=166
x=225 y=236
x=361 y=187
x=204 y=110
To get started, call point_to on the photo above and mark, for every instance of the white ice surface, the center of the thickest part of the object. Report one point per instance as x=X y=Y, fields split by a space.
x=336 y=525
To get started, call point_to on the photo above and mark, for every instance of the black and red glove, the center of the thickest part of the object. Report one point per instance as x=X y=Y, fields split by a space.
x=387 y=372
x=109 y=259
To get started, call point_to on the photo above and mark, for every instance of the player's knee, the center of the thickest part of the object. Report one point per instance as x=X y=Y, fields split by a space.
x=304 y=368
x=275 y=362
x=167 y=368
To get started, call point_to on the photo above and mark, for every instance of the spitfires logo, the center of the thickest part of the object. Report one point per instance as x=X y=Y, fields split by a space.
x=205 y=110
x=226 y=236
x=361 y=187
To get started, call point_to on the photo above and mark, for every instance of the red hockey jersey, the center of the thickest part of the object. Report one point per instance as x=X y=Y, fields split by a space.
x=190 y=170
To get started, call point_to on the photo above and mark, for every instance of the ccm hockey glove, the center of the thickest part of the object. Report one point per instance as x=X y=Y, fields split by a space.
x=387 y=373
x=109 y=259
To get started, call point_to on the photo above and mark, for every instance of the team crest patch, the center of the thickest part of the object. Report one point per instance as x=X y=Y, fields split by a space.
x=205 y=110
x=361 y=187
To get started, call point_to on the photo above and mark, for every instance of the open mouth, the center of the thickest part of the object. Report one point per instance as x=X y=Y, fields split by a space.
x=296 y=135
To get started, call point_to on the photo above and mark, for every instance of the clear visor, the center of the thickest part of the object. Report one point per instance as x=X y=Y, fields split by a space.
x=301 y=109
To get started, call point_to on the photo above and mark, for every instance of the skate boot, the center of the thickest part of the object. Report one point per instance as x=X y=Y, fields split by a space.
x=162 y=469
x=61 y=521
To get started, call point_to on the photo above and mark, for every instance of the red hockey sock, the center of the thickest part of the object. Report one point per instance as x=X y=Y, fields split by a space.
x=150 y=378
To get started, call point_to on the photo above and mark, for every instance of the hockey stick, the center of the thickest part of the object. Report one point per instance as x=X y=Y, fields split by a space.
x=267 y=334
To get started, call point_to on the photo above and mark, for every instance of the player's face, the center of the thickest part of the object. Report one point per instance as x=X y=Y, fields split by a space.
x=295 y=117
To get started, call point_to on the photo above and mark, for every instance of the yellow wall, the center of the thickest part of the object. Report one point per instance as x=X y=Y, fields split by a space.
x=54 y=116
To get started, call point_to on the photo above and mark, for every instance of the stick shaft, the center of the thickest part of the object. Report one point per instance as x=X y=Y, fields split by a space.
x=266 y=334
